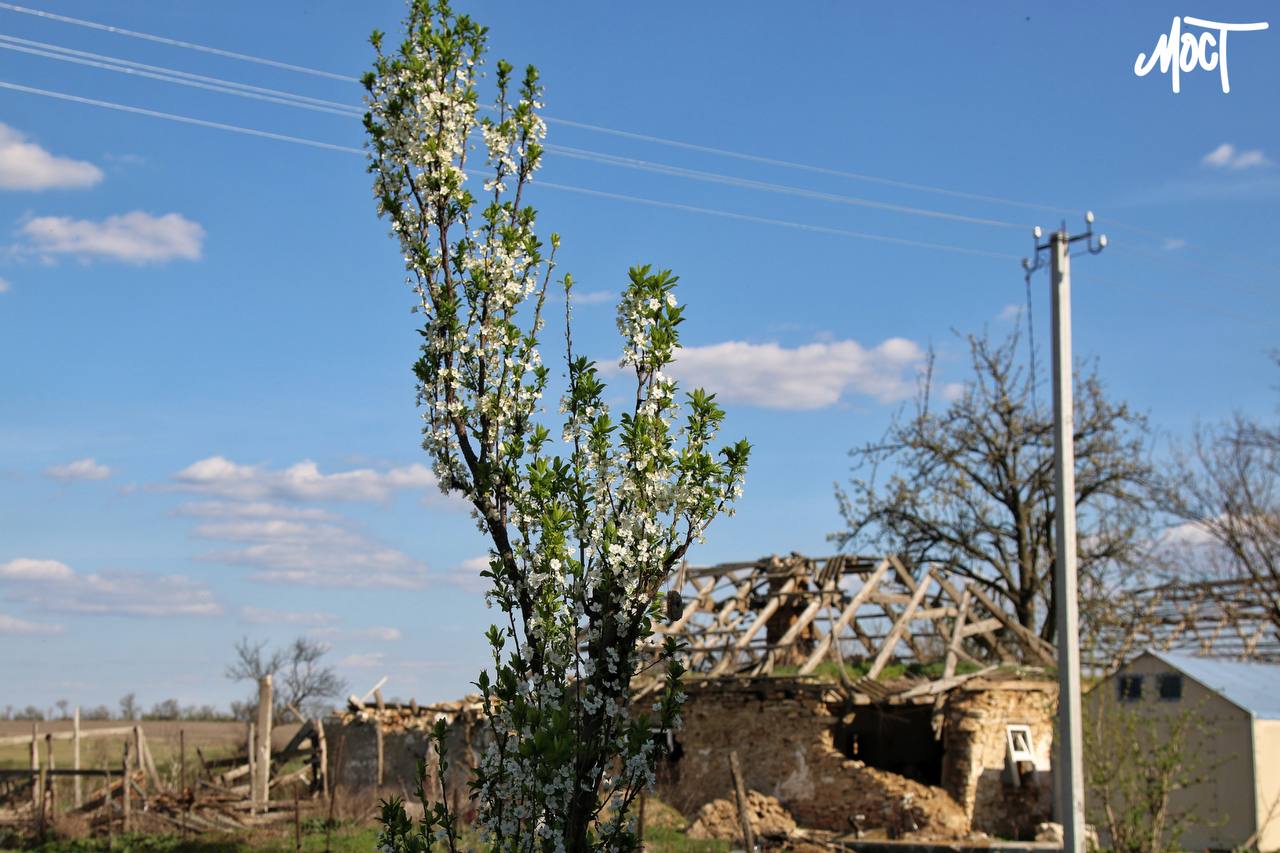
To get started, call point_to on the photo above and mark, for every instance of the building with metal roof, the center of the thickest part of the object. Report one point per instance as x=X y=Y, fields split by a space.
x=1234 y=742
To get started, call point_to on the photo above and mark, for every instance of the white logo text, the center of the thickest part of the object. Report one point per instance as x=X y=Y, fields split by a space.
x=1178 y=51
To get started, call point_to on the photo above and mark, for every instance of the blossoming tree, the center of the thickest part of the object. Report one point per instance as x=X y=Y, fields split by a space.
x=584 y=527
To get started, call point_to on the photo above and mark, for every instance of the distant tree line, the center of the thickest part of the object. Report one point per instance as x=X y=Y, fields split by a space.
x=128 y=709
x=304 y=686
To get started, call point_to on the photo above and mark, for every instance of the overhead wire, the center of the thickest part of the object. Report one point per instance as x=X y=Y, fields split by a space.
x=280 y=137
x=216 y=51
x=595 y=128
x=293 y=99
x=228 y=87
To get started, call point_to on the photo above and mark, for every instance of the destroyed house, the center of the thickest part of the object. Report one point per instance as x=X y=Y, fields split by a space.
x=866 y=697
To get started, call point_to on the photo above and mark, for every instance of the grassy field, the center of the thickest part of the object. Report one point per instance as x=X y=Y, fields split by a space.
x=215 y=740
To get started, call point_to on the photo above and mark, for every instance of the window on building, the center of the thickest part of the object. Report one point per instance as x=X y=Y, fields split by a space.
x=1129 y=688
x=1020 y=761
x=1169 y=686
x=1019 y=742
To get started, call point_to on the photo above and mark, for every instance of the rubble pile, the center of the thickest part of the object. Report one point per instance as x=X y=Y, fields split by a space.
x=719 y=819
x=409 y=716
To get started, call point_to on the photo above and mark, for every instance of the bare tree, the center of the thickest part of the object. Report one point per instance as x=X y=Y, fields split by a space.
x=1225 y=490
x=252 y=662
x=1136 y=764
x=304 y=681
x=129 y=707
x=971 y=486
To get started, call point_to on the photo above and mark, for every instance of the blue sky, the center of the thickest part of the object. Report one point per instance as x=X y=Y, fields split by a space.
x=207 y=424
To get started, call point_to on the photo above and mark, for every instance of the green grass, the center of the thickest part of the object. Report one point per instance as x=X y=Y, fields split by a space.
x=670 y=840
x=344 y=839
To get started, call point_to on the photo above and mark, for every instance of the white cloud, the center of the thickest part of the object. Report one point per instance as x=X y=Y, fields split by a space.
x=363 y=661
x=594 y=297
x=81 y=469
x=1227 y=156
x=1187 y=533
x=807 y=377
x=380 y=661
x=5 y=287
x=953 y=391
x=466 y=575
x=255 y=515
x=13 y=625
x=219 y=476
x=26 y=569
x=384 y=633
x=1011 y=312
x=26 y=166
x=135 y=238
x=325 y=553
x=254 y=509
x=53 y=586
x=264 y=616
x=1173 y=244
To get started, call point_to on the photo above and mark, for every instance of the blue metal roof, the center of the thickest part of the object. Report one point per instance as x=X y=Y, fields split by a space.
x=1255 y=687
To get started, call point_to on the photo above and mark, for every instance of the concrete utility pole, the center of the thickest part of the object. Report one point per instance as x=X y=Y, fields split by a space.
x=1069 y=770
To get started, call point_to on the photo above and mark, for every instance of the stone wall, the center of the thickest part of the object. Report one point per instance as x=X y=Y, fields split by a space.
x=787 y=735
x=353 y=750
x=783 y=734
x=974 y=769
x=796 y=740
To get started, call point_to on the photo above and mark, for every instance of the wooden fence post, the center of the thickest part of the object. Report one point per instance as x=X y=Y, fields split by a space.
x=42 y=780
x=137 y=754
x=111 y=818
x=182 y=761
x=253 y=764
x=320 y=748
x=125 y=779
x=740 y=794
x=145 y=754
x=377 y=729
x=35 y=770
x=263 y=786
x=77 y=790
x=53 y=783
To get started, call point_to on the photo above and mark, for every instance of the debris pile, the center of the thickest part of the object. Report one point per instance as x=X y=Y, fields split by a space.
x=719 y=819
x=408 y=716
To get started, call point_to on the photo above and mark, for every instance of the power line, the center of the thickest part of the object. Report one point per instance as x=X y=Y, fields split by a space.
x=747 y=183
x=595 y=128
x=822 y=170
x=297 y=140
x=216 y=51
x=110 y=105
x=197 y=84
x=820 y=229
x=229 y=87
x=292 y=99
x=64 y=54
